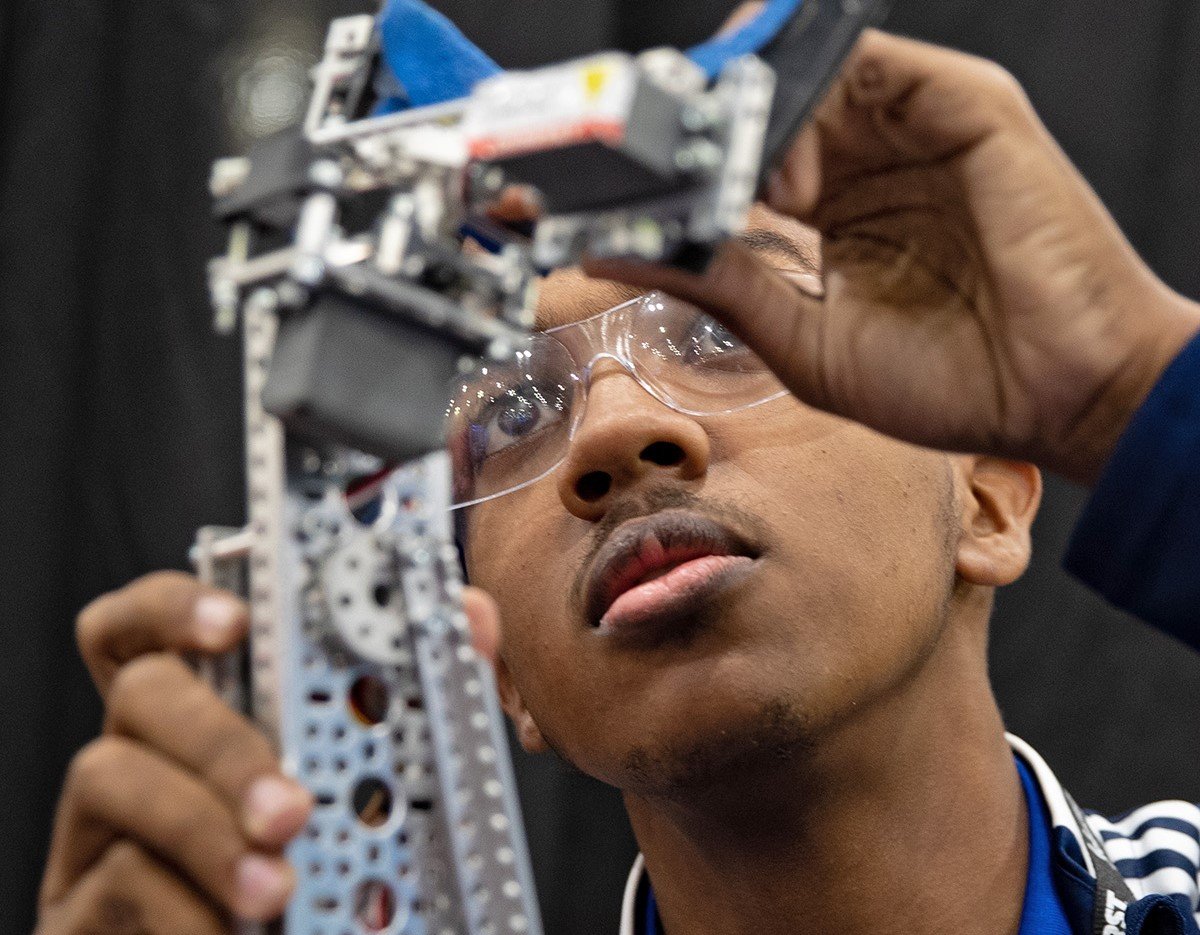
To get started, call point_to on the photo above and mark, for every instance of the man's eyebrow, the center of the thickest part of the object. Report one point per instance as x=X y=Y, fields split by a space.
x=600 y=295
x=769 y=241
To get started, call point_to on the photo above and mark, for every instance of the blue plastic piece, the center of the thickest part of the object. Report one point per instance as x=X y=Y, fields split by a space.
x=430 y=60
x=753 y=37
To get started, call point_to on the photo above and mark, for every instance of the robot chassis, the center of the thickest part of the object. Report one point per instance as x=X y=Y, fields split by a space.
x=357 y=303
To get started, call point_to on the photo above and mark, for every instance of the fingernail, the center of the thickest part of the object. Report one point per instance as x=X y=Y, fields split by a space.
x=215 y=617
x=275 y=808
x=263 y=886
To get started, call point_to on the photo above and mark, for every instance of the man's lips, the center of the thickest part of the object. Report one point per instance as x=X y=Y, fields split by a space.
x=679 y=594
x=661 y=566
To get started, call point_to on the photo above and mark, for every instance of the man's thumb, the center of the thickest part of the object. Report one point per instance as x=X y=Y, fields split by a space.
x=777 y=318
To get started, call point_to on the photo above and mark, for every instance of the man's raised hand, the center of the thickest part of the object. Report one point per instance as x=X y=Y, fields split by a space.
x=977 y=295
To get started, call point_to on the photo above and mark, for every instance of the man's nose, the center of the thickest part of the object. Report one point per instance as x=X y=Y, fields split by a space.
x=627 y=437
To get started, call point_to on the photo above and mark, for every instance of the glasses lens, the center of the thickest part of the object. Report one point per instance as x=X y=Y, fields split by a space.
x=509 y=423
x=695 y=362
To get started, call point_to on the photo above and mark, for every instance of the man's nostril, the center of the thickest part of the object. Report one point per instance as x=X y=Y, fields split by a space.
x=591 y=487
x=664 y=454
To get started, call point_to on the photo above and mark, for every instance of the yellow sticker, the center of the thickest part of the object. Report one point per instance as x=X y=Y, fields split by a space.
x=594 y=80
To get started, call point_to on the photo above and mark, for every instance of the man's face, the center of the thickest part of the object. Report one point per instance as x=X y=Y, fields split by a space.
x=840 y=571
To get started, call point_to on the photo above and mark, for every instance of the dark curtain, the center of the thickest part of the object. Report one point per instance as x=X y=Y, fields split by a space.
x=119 y=427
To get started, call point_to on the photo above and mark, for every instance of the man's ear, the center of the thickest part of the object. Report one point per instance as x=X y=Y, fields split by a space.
x=999 y=501
x=484 y=617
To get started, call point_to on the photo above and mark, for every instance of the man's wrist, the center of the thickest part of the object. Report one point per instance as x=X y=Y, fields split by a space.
x=1170 y=323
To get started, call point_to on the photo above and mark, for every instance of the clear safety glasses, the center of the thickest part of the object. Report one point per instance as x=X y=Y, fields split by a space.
x=511 y=424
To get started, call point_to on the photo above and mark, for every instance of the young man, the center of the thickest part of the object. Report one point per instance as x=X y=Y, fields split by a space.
x=768 y=627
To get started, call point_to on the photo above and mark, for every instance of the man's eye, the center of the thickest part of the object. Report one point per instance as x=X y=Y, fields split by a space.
x=512 y=418
x=710 y=343
x=517 y=416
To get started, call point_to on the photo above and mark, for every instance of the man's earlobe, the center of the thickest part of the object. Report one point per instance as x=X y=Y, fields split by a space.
x=528 y=733
x=999 y=505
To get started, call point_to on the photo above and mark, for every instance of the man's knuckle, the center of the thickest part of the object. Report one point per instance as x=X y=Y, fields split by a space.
x=164 y=593
x=225 y=868
x=1002 y=84
x=232 y=748
x=91 y=624
x=134 y=889
x=193 y=829
x=198 y=922
x=164 y=580
x=145 y=677
x=124 y=864
x=94 y=765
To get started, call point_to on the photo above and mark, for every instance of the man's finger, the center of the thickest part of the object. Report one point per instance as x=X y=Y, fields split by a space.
x=116 y=789
x=484 y=618
x=741 y=16
x=130 y=891
x=158 y=701
x=776 y=317
x=900 y=99
x=795 y=184
x=163 y=612
x=896 y=102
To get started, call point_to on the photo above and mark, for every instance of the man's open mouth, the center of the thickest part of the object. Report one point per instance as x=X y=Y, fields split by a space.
x=661 y=567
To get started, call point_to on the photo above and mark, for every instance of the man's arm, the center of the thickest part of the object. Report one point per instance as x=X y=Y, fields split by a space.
x=1138 y=542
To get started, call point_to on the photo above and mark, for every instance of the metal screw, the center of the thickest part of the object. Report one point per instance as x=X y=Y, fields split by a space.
x=290 y=295
x=700 y=116
x=326 y=173
x=648 y=240
x=265 y=299
x=500 y=349
x=698 y=156
x=309 y=270
x=228 y=175
x=493 y=179
x=489 y=179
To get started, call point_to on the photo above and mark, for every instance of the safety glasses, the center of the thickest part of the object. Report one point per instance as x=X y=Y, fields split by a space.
x=510 y=424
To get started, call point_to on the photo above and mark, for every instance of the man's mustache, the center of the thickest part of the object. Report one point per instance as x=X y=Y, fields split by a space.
x=654 y=500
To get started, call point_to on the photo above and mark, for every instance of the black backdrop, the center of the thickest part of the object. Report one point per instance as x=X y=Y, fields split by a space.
x=118 y=407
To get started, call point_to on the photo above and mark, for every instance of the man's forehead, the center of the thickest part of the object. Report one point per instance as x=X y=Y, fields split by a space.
x=568 y=295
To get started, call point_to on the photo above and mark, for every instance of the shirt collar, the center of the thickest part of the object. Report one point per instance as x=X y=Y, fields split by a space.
x=1043 y=911
x=1055 y=797
x=637 y=879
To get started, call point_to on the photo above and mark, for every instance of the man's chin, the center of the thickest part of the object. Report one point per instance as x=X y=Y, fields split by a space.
x=724 y=757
